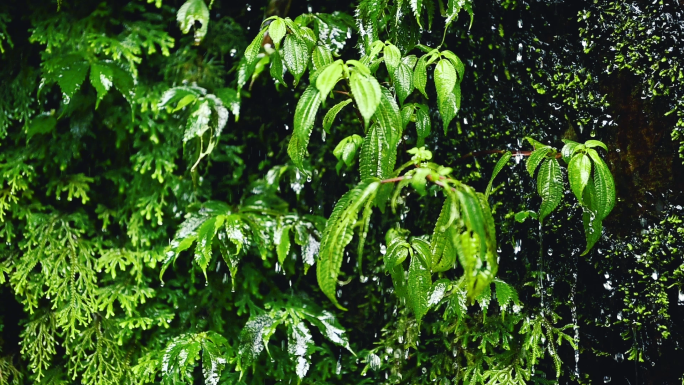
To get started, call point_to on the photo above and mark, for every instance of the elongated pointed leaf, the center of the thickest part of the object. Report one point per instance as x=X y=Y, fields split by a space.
x=305 y=116
x=338 y=234
x=549 y=187
x=282 y=241
x=374 y=154
x=388 y=118
x=593 y=226
x=403 y=81
x=456 y=62
x=568 y=149
x=420 y=75
x=205 y=237
x=419 y=284
x=277 y=31
x=579 y=172
x=605 y=186
x=536 y=144
x=445 y=78
x=423 y=124
x=473 y=216
x=296 y=56
x=277 y=67
x=497 y=169
x=102 y=78
x=198 y=122
x=595 y=143
x=366 y=92
x=535 y=159
x=71 y=76
x=392 y=58
x=331 y=74
x=330 y=116
x=443 y=255
x=321 y=57
x=448 y=107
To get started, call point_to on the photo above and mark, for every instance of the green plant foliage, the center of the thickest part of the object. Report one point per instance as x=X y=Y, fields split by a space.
x=147 y=239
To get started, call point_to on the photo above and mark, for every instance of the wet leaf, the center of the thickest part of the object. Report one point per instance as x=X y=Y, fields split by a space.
x=497 y=169
x=549 y=187
x=418 y=287
x=330 y=116
x=579 y=172
x=403 y=81
x=367 y=93
x=305 y=116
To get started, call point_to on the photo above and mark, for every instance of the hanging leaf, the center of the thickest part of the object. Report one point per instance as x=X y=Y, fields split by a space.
x=593 y=226
x=392 y=58
x=102 y=78
x=535 y=159
x=549 y=187
x=443 y=255
x=213 y=359
x=71 y=76
x=194 y=11
x=595 y=143
x=388 y=118
x=338 y=234
x=497 y=169
x=569 y=149
x=605 y=186
x=372 y=149
x=282 y=242
x=198 y=122
x=448 y=107
x=305 y=116
x=253 y=338
x=403 y=81
x=205 y=237
x=331 y=74
x=579 y=172
x=419 y=284
x=420 y=75
x=330 y=116
x=423 y=124
x=445 y=78
x=346 y=150
x=296 y=56
x=277 y=67
x=321 y=57
x=299 y=344
x=366 y=92
x=41 y=124
x=505 y=294
x=457 y=63
x=537 y=145
x=179 y=358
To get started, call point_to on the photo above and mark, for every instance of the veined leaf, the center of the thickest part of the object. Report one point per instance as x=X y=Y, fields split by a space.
x=388 y=118
x=420 y=75
x=407 y=114
x=537 y=145
x=473 y=216
x=253 y=338
x=282 y=241
x=403 y=81
x=605 y=186
x=346 y=150
x=443 y=255
x=198 y=122
x=102 y=78
x=568 y=150
x=497 y=169
x=579 y=172
x=419 y=284
x=321 y=57
x=179 y=358
x=505 y=294
x=330 y=116
x=374 y=154
x=423 y=124
x=41 y=124
x=549 y=187
x=205 y=237
x=392 y=58
x=189 y=13
x=338 y=234
x=457 y=63
x=305 y=116
x=535 y=158
x=277 y=67
x=331 y=74
x=176 y=94
x=366 y=92
x=595 y=143
x=277 y=31
x=448 y=107
x=213 y=360
x=71 y=76
x=445 y=78
x=417 y=7
x=296 y=56
x=593 y=226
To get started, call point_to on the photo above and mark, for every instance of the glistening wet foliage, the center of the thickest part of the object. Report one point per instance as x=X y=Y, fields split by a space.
x=329 y=192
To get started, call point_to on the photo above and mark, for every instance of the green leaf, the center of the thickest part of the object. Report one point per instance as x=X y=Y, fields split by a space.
x=456 y=62
x=595 y=143
x=296 y=56
x=579 y=172
x=593 y=226
x=282 y=241
x=403 y=81
x=277 y=31
x=198 y=122
x=338 y=234
x=388 y=118
x=448 y=107
x=535 y=144
x=568 y=150
x=277 y=67
x=70 y=78
x=423 y=124
x=535 y=159
x=419 y=284
x=189 y=13
x=392 y=58
x=179 y=358
x=41 y=124
x=417 y=7
x=373 y=162
x=321 y=57
x=420 y=75
x=329 y=77
x=102 y=78
x=205 y=237
x=497 y=169
x=305 y=116
x=330 y=116
x=397 y=251
x=346 y=150
x=366 y=92
x=473 y=216
x=549 y=187
x=253 y=338
x=443 y=255
x=605 y=186
x=522 y=215
x=445 y=78
x=418 y=180
x=505 y=294
x=213 y=359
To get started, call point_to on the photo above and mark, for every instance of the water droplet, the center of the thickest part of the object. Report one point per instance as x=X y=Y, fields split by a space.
x=619 y=357
x=607 y=379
